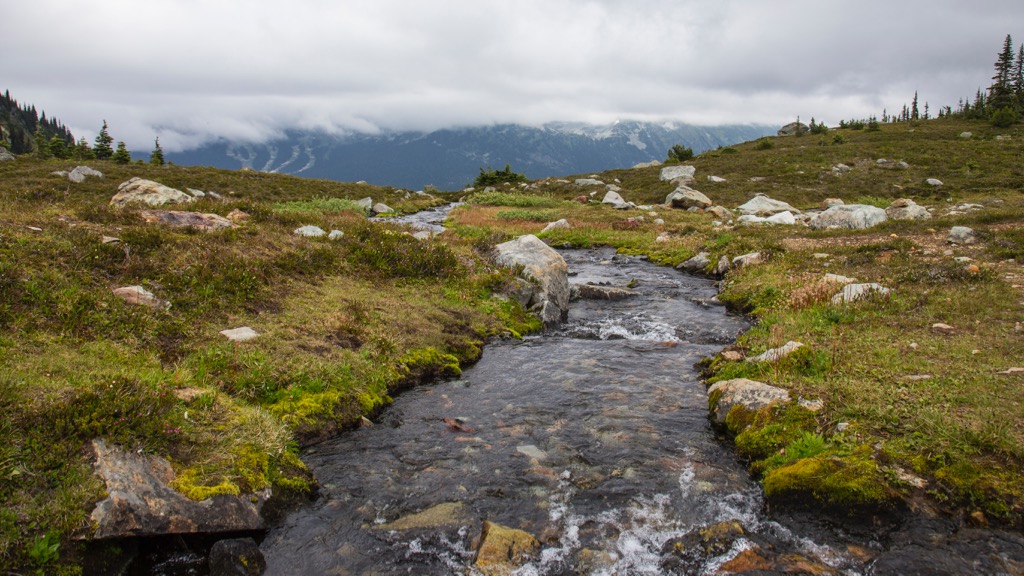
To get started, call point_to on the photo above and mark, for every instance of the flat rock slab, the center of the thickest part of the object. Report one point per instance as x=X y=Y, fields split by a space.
x=140 y=501
x=594 y=292
x=178 y=219
x=446 y=514
x=239 y=334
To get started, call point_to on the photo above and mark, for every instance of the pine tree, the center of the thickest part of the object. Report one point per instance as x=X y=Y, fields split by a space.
x=1018 y=78
x=122 y=155
x=914 y=114
x=83 y=151
x=1000 y=93
x=4 y=142
x=102 y=149
x=926 y=111
x=58 y=147
x=156 y=158
x=40 y=145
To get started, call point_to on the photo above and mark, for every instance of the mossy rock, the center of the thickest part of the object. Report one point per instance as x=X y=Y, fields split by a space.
x=770 y=429
x=852 y=484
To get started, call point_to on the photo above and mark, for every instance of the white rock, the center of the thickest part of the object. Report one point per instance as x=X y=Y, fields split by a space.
x=669 y=173
x=239 y=334
x=854 y=292
x=777 y=353
x=309 y=231
x=588 y=182
x=850 y=216
x=562 y=224
x=934 y=182
x=761 y=205
x=336 y=235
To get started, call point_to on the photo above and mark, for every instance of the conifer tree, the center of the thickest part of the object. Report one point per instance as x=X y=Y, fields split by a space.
x=156 y=158
x=58 y=147
x=83 y=151
x=1018 y=78
x=102 y=150
x=1000 y=93
x=40 y=145
x=914 y=114
x=122 y=155
x=4 y=142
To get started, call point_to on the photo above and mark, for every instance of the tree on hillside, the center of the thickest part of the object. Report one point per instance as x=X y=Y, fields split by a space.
x=156 y=157
x=41 y=146
x=102 y=150
x=679 y=153
x=82 y=150
x=122 y=156
x=914 y=113
x=1001 y=92
x=1018 y=78
x=58 y=147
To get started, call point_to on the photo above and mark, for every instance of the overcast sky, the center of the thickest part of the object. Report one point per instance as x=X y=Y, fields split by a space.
x=190 y=71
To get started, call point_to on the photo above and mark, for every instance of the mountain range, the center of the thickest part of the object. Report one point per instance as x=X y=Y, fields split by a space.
x=450 y=159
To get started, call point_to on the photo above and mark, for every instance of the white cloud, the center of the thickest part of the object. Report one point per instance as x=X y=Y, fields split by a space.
x=191 y=71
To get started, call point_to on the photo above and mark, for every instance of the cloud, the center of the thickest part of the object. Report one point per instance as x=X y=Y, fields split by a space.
x=193 y=71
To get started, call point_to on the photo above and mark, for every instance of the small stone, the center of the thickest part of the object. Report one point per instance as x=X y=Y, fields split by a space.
x=944 y=329
x=237 y=216
x=842 y=426
x=961 y=235
x=562 y=224
x=34 y=228
x=141 y=296
x=336 y=235
x=914 y=345
x=239 y=334
x=934 y=182
x=1011 y=371
x=310 y=231
x=777 y=353
x=972 y=269
x=812 y=405
x=110 y=240
x=820 y=255
x=732 y=356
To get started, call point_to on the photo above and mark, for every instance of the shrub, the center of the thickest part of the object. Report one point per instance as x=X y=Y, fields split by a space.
x=492 y=177
x=679 y=153
x=764 y=144
x=1003 y=118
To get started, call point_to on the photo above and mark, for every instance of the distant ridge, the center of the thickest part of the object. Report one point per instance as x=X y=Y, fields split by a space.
x=450 y=159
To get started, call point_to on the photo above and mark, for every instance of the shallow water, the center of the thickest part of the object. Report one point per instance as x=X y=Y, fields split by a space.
x=595 y=439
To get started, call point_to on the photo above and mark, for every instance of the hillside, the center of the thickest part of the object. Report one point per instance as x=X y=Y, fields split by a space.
x=909 y=412
x=450 y=159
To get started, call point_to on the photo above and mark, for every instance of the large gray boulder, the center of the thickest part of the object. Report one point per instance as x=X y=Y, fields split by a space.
x=148 y=192
x=761 y=205
x=697 y=263
x=541 y=264
x=685 y=197
x=748 y=394
x=140 y=501
x=686 y=173
x=80 y=172
x=850 y=216
x=906 y=209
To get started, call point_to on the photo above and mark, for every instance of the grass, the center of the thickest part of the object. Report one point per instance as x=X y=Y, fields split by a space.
x=343 y=325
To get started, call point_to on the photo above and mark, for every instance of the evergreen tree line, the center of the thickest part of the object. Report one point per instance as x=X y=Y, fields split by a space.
x=24 y=131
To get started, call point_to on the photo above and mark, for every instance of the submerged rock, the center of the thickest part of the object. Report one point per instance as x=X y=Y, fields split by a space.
x=502 y=550
x=236 y=557
x=446 y=514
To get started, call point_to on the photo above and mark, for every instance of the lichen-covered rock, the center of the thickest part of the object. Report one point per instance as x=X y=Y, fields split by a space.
x=148 y=192
x=140 y=501
x=907 y=209
x=502 y=550
x=541 y=263
x=849 y=216
x=747 y=260
x=961 y=235
x=745 y=394
x=309 y=231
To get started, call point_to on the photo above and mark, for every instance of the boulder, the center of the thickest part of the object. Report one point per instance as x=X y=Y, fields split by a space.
x=678 y=172
x=140 y=296
x=588 y=182
x=5 y=155
x=716 y=179
x=784 y=218
x=651 y=164
x=854 y=292
x=381 y=208
x=747 y=260
x=906 y=209
x=840 y=169
x=793 y=128
x=723 y=266
x=851 y=216
x=140 y=502
x=366 y=204
x=541 y=263
x=562 y=224
x=177 y=219
x=686 y=198
x=336 y=235
x=961 y=235
x=80 y=172
x=309 y=231
x=616 y=200
x=933 y=182
x=196 y=193
x=761 y=205
x=139 y=191
x=696 y=264
x=502 y=550
x=236 y=557
x=748 y=394
x=720 y=212
x=779 y=353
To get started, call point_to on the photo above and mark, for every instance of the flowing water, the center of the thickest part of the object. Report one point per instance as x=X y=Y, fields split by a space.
x=595 y=439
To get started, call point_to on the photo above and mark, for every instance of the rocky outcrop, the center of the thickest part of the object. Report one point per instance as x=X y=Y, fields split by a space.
x=684 y=173
x=177 y=219
x=140 y=501
x=541 y=264
x=148 y=192
x=906 y=209
x=761 y=205
x=685 y=197
x=748 y=394
x=793 y=128
x=849 y=216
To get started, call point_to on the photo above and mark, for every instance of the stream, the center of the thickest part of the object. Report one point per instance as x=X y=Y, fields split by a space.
x=595 y=439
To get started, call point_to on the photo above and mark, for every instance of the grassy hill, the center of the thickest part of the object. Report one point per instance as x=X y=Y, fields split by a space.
x=925 y=415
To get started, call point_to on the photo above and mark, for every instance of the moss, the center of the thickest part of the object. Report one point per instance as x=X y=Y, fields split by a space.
x=426 y=363
x=739 y=418
x=852 y=483
x=195 y=485
x=252 y=467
